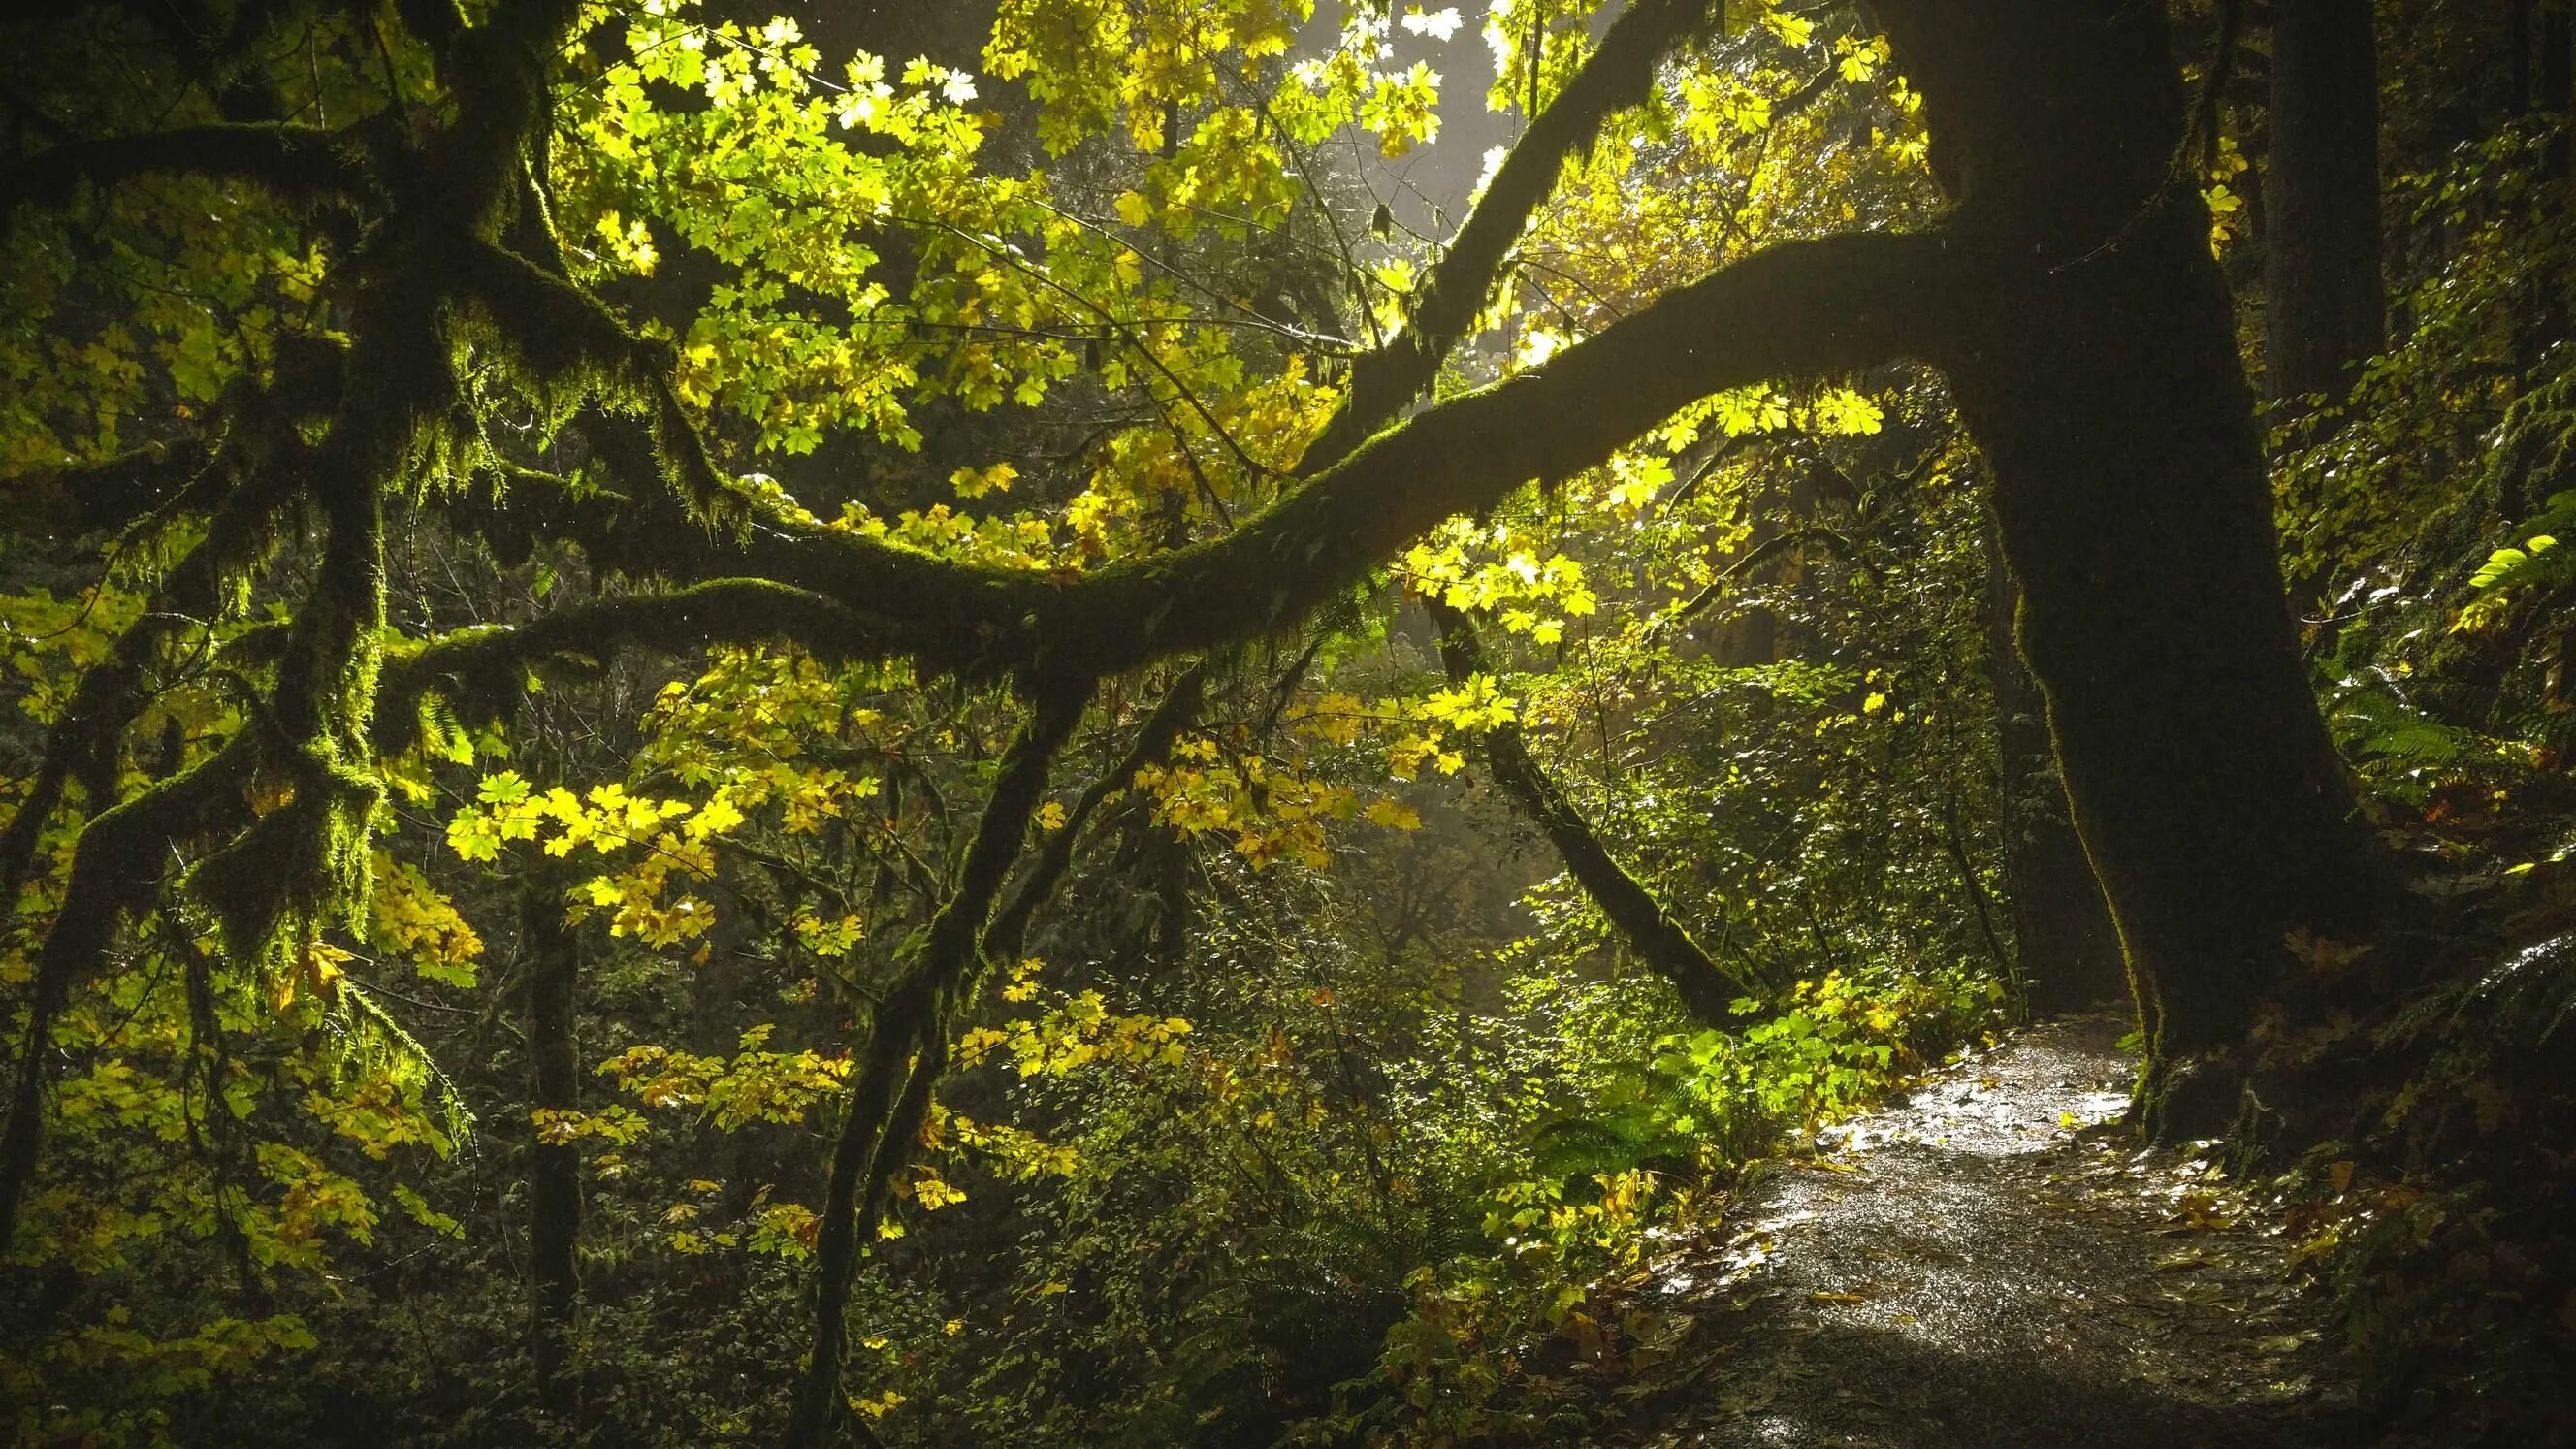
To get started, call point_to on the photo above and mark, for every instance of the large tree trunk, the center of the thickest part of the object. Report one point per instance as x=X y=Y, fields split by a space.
x=2102 y=382
x=2325 y=306
x=2069 y=950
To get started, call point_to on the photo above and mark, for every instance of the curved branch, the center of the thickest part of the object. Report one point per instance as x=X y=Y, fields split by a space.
x=1707 y=989
x=1801 y=309
x=301 y=163
x=1619 y=75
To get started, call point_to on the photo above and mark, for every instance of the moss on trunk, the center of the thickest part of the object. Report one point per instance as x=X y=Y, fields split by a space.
x=2103 y=384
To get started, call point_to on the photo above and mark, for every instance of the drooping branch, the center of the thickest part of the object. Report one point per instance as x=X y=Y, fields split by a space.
x=82 y=743
x=301 y=163
x=909 y=1043
x=1618 y=75
x=572 y=343
x=116 y=870
x=1707 y=989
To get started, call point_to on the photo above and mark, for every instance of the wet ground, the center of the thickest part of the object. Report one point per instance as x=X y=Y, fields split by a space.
x=1986 y=1262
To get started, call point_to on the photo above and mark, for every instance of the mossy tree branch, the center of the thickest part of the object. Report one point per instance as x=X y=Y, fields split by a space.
x=1385 y=380
x=480 y=670
x=1797 y=310
x=1707 y=989
x=300 y=163
x=909 y=1043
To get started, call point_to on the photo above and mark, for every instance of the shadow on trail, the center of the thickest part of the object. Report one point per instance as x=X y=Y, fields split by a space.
x=1918 y=1395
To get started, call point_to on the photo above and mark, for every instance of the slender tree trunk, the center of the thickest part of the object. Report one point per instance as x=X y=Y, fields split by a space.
x=2069 y=949
x=2101 y=380
x=907 y=1048
x=1752 y=636
x=553 y=962
x=1706 y=989
x=2553 y=74
x=2325 y=306
x=2545 y=66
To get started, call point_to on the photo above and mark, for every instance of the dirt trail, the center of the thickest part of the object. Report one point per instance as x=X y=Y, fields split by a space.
x=1971 y=1266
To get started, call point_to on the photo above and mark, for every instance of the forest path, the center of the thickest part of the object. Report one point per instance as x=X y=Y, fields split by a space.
x=1985 y=1262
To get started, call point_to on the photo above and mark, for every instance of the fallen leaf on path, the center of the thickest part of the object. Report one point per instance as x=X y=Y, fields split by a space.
x=2198 y=1212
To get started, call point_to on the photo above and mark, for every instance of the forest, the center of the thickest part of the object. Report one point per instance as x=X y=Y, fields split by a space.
x=1287 y=722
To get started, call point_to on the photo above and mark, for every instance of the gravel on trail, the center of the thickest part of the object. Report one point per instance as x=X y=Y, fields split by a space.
x=1988 y=1260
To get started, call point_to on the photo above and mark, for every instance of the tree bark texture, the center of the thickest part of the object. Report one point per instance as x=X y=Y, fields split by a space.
x=2325 y=304
x=2100 y=378
x=2068 y=948
x=1707 y=990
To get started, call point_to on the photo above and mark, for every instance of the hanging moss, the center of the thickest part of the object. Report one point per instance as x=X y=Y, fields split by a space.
x=289 y=803
x=297 y=869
